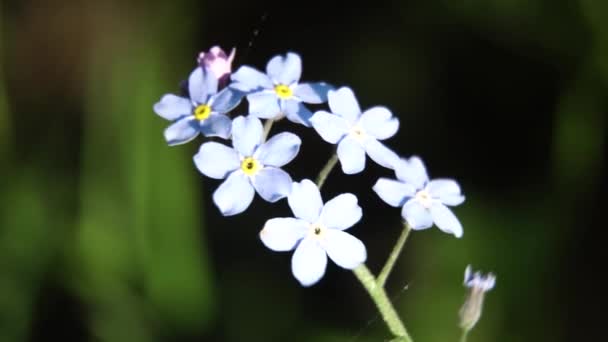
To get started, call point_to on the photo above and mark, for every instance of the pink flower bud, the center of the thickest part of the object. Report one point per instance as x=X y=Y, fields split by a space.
x=218 y=63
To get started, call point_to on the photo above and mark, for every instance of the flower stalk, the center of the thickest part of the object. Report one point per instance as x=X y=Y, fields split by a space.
x=392 y=258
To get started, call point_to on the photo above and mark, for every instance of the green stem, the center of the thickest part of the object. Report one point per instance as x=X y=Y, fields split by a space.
x=383 y=303
x=267 y=128
x=463 y=337
x=326 y=170
x=392 y=258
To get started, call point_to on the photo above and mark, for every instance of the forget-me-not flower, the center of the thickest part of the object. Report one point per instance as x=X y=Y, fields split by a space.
x=317 y=231
x=478 y=285
x=356 y=133
x=251 y=164
x=204 y=112
x=423 y=202
x=278 y=93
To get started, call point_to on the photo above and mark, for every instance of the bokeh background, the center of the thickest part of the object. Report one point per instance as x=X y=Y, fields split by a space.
x=107 y=234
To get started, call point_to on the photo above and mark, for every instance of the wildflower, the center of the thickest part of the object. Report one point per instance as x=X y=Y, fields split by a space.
x=204 y=112
x=278 y=93
x=356 y=133
x=472 y=307
x=251 y=164
x=218 y=63
x=423 y=202
x=316 y=232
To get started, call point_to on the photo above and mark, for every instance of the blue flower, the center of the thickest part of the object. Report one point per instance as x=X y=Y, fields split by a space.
x=251 y=164
x=316 y=232
x=355 y=133
x=204 y=112
x=423 y=202
x=278 y=93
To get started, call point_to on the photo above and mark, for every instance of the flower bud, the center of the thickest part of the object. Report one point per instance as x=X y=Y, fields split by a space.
x=478 y=285
x=218 y=63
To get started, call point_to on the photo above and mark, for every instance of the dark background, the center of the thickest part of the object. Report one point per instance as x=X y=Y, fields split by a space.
x=107 y=234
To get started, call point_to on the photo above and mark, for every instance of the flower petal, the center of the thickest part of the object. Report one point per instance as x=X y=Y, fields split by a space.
x=351 y=155
x=330 y=127
x=234 y=195
x=216 y=160
x=416 y=215
x=412 y=171
x=285 y=70
x=279 y=150
x=272 y=184
x=343 y=102
x=381 y=154
x=201 y=84
x=341 y=212
x=312 y=92
x=216 y=125
x=172 y=107
x=447 y=190
x=296 y=112
x=308 y=262
x=305 y=200
x=249 y=79
x=182 y=131
x=379 y=122
x=246 y=134
x=446 y=220
x=226 y=100
x=344 y=249
x=393 y=192
x=283 y=234
x=264 y=105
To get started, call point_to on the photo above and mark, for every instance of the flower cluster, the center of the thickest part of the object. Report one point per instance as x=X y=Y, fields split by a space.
x=250 y=162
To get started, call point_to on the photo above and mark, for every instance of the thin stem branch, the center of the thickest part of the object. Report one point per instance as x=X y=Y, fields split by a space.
x=326 y=170
x=267 y=128
x=383 y=303
x=465 y=334
x=392 y=258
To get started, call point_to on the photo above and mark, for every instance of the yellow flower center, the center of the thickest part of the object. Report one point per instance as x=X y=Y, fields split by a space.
x=250 y=166
x=316 y=230
x=424 y=198
x=283 y=91
x=358 y=132
x=202 y=112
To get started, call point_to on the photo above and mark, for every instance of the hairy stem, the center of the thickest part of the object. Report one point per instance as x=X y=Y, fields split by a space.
x=392 y=258
x=326 y=170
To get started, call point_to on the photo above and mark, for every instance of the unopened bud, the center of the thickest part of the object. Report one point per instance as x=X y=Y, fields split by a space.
x=478 y=285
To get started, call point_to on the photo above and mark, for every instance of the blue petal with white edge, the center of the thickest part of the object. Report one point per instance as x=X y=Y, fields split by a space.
x=416 y=215
x=305 y=200
x=344 y=103
x=447 y=190
x=344 y=249
x=216 y=160
x=182 y=131
x=351 y=155
x=412 y=171
x=279 y=150
x=173 y=107
x=330 y=127
x=296 y=112
x=246 y=134
x=393 y=192
x=201 y=85
x=308 y=262
x=341 y=212
x=264 y=105
x=446 y=220
x=272 y=184
x=216 y=125
x=226 y=100
x=285 y=70
x=283 y=234
x=379 y=122
x=234 y=195
x=312 y=92
x=381 y=154
x=248 y=79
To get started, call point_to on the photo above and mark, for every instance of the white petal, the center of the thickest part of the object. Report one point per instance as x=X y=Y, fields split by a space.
x=446 y=220
x=272 y=184
x=344 y=249
x=264 y=105
x=246 y=134
x=343 y=102
x=201 y=84
x=216 y=160
x=381 y=154
x=216 y=125
x=308 y=262
x=412 y=171
x=447 y=190
x=305 y=200
x=279 y=150
x=249 y=79
x=296 y=112
x=283 y=234
x=312 y=92
x=234 y=195
x=330 y=127
x=351 y=155
x=379 y=122
x=416 y=215
x=393 y=192
x=172 y=107
x=285 y=69
x=182 y=131
x=341 y=212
